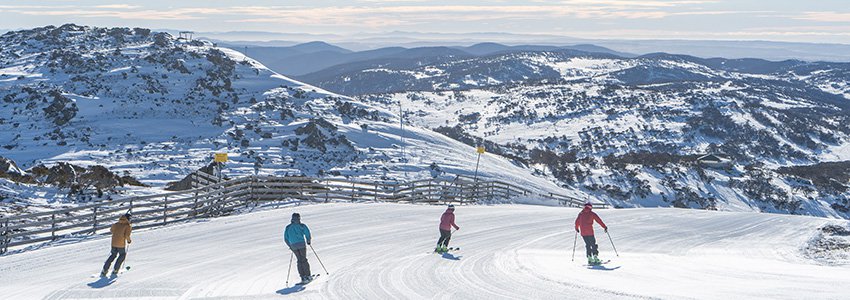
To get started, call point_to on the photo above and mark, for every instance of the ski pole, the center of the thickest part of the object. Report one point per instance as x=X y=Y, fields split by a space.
x=612 y=243
x=575 y=238
x=289 y=271
x=126 y=255
x=319 y=259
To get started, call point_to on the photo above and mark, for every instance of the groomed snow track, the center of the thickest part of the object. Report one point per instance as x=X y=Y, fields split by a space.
x=381 y=251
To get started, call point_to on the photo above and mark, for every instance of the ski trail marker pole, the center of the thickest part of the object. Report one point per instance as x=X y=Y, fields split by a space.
x=320 y=260
x=575 y=238
x=289 y=271
x=612 y=243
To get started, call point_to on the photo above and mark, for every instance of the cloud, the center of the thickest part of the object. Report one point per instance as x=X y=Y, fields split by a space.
x=421 y=13
x=118 y=6
x=374 y=14
x=364 y=16
x=825 y=16
x=176 y=14
x=633 y=4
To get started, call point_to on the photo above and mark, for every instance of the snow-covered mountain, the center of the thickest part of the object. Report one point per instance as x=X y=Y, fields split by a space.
x=156 y=107
x=629 y=131
x=632 y=130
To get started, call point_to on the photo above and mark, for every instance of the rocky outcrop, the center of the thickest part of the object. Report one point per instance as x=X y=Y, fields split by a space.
x=186 y=182
x=10 y=170
x=64 y=175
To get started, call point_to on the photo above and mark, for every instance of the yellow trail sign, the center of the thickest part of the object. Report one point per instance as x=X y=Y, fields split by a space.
x=480 y=149
x=220 y=157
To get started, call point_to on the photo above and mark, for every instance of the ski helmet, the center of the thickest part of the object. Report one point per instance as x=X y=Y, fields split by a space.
x=296 y=216
x=451 y=206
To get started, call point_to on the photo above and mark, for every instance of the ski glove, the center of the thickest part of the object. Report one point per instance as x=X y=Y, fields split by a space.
x=606 y=230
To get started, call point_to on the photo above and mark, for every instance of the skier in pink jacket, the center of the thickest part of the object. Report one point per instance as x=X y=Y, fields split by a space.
x=447 y=221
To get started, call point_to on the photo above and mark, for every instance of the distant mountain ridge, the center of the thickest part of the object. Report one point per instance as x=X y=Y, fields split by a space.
x=302 y=59
x=769 y=50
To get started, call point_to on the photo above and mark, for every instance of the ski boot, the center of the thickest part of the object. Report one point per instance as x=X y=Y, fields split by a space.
x=103 y=273
x=596 y=260
x=305 y=280
x=114 y=273
x=590 y=260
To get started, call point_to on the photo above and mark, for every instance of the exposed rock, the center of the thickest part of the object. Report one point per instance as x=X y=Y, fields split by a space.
x=78 y=179
x=186 y=182
x=10 y=170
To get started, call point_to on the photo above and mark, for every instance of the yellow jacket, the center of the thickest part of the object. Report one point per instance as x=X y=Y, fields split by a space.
x=121 y=233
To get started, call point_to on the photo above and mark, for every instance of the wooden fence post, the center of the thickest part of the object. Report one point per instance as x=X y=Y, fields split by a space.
x=195 y=206
x=165 y=212
x=6 y=239
x=94 y=226
x=429 y=192
x=352 y=192
x=53 y=227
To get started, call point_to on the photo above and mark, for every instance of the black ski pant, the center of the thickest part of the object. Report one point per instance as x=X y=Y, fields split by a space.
x=445 y=236
x=590 y=245
x=303 y=265
x=121 y=253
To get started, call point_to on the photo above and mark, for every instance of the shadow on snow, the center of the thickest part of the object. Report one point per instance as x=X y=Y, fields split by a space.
x=101 y=282
x=602 y=268
x=450 y=256
x=291 y=290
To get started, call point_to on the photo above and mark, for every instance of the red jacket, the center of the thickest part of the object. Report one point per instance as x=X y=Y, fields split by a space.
x=447 y=221
x=584 y=222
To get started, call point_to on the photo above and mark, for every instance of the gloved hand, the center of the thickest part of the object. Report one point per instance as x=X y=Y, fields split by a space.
x=308 y=242
x=606 y=229
x=576 y=230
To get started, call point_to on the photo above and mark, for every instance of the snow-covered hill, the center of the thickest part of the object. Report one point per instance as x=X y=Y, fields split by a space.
x=630 y=130
x=156 y=107
x=381 y=251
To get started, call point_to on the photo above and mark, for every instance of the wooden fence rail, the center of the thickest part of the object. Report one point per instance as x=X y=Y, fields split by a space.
x=223 y=197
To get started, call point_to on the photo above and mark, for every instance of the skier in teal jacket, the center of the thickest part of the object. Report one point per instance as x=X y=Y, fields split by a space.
x=297 y=237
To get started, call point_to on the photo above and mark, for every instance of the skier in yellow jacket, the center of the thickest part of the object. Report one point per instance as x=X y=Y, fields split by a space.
x=120 y=238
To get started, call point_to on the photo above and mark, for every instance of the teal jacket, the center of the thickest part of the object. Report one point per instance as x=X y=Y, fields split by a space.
x=296 y=236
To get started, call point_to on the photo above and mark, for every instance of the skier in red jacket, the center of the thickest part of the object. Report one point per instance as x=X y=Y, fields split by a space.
x=584 y=225
x=447 y=221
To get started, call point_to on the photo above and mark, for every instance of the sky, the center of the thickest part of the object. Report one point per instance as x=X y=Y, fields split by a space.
x=822 y=21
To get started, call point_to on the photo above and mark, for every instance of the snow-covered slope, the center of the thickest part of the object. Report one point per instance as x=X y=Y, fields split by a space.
x=630 y=130
x=157 y=107
x=381 y=251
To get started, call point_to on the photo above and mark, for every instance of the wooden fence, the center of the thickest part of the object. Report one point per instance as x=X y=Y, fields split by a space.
x=211 y=197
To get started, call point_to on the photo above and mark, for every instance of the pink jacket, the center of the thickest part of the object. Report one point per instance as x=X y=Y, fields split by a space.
x=447 y=221
x=585 y=221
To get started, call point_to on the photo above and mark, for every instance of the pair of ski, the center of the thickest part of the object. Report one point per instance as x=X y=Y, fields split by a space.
x=447 y=250
x=311 y=280
x=108 y=275
x=596 y=264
